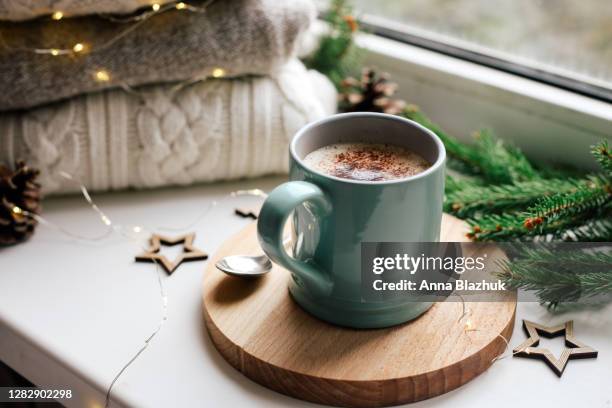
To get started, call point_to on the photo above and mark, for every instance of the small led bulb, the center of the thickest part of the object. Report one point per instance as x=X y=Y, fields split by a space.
x=58 y=15
x=155 y=6
x=78 y=47
x=180 y=6
x=54 y=51
x=218 y=72
x=102 y=76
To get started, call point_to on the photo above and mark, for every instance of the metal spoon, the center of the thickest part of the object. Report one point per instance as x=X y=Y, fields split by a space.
x=245 y=266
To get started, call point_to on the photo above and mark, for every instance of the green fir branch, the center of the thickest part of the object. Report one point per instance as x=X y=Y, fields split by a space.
x=603 y=155
x=595 y=230
x=455 y=183
x=488 y=157
x=456 y=149
x=501 y=163
x=549 y=215
x=472 y=201
x=337 y=56
x=463 y=168
x=577 y=260
x=561 y=209
x=497 y=227
x=560 y=276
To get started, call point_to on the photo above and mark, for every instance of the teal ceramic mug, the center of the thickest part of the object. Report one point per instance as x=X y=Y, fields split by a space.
x=332 y=216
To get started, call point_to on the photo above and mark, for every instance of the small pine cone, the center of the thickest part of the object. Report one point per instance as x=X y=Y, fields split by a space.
x=371 y=93
x=19 y=195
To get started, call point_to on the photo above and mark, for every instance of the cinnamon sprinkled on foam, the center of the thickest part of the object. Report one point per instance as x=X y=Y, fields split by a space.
x=366 y=161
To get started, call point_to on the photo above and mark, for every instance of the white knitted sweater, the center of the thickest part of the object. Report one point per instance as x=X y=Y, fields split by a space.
x=214 y=130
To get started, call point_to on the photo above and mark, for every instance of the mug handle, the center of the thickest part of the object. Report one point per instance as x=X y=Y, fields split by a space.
x=271 y=224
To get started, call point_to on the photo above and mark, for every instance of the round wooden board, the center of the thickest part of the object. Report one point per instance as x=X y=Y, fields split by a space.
x=264 y=334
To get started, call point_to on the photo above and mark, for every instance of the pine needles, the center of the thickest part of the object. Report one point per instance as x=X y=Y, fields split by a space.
x=337 y=55
x=560 y=275
x=474 y=200
x=504 y=197
x=603 y=156
x=489 y=157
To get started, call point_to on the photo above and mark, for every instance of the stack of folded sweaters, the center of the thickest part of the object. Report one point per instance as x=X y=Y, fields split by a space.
x=131 y=110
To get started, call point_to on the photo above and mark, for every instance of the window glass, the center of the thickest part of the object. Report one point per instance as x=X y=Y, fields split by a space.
x=564 y=37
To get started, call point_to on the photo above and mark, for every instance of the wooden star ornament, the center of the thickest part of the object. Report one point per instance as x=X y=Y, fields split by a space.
x=248 y=212
x=190 y=253
x=574 y=349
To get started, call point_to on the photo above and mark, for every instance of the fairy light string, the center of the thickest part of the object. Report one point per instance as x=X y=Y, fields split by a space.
x=469 y=326
x=136 y=21
x=157 y=8
x=162 y=321
x=131 y=233
x=103 y=74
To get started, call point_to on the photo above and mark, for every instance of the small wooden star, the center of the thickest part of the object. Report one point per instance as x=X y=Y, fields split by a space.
x=574 y=349
x=190 y=253
x=248 y=212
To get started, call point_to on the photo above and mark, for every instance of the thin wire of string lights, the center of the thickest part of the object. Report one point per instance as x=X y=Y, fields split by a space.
x=132 y=233
x=104 y=74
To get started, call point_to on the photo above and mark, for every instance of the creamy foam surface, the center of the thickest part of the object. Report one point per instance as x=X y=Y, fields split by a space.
x=366 y=161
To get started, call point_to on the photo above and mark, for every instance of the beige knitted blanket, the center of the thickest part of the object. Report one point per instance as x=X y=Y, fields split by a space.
x=239 y=36
x=17 y=10
x=213 y=130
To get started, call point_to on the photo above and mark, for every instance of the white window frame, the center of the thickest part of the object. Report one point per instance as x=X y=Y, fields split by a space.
x=548 y=123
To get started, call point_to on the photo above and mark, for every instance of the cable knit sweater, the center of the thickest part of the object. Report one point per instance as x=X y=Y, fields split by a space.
x=213 y=130
x=240 y=36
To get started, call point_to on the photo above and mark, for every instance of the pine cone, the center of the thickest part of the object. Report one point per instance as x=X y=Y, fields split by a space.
x=19 y=194
x=373 y=93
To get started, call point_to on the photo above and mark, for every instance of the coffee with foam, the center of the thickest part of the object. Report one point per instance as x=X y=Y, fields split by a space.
x=366 y=161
